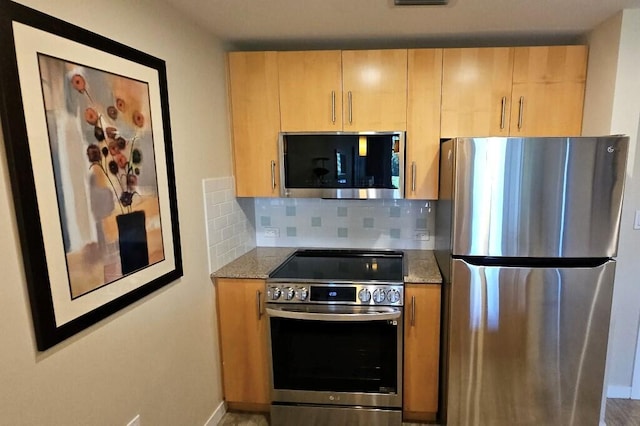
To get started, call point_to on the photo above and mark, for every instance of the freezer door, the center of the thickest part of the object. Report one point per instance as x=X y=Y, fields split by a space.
x=527 y=346
x=537 y=197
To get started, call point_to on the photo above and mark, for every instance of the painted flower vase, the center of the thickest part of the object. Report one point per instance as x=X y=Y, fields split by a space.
x=134 y=253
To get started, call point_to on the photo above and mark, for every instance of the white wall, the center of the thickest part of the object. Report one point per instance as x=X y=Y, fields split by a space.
x=613 y=106
x=159 y=357
x=603 y=44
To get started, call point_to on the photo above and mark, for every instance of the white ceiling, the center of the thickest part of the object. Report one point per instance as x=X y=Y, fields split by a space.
x=344 y=23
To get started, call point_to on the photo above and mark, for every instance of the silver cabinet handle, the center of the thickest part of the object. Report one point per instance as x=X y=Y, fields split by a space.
x=413 y=311
x=258 y=304
x=521 y=112
x=350 y=101
x=503 y=111
x=413 y=176
x=333 y=106
x=273 y=174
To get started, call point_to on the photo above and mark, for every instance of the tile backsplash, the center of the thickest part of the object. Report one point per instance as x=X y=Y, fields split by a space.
x=236 y=225
x=230 y=222
x=311 y=222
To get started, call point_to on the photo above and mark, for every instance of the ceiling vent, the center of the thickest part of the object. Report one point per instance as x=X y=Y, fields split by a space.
x=421 y=2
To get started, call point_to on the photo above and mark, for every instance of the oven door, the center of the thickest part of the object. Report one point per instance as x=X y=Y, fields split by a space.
x=336 y=354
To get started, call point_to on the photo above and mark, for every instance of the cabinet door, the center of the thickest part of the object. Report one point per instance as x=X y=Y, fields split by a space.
x=548 y=90
x=310 y=90
x=421 y=351
x=374 y=84
x=423 y=123
x=243 y=341
x=476 y=91
x=255 y=116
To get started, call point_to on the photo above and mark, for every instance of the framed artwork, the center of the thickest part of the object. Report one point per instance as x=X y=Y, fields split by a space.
x=88 y=141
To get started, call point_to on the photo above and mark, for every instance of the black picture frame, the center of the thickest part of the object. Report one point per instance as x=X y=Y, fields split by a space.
x=31 y=209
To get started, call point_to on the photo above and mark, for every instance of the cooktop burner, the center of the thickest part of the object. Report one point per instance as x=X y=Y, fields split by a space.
x=341 y=265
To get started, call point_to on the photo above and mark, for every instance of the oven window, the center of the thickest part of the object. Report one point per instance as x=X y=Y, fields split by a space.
x=334 y=356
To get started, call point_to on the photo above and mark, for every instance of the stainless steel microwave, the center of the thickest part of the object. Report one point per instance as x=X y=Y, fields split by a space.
x=342 y=165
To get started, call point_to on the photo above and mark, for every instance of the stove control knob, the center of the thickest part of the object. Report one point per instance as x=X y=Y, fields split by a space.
x=393 y=295
x=364 y=295
x=379 y=295
x=302 y=293
x=273 y=293
x=288 y=293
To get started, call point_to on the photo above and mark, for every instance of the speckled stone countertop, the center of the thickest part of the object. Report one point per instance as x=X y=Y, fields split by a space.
x=421 y=267
x=258 y=263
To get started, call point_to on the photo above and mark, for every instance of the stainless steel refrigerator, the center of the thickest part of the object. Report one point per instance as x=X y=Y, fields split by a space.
x=526 y=236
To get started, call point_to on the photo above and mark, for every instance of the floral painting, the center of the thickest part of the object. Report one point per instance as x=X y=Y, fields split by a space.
x=101 y=142
x=90 y=162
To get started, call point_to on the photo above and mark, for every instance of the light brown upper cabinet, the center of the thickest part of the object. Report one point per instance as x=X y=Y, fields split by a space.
x=255 y=122
x=521 y=91
x=476 y=91
x=310 y=90
x=374 y=85
x=423 y=123
x=548 y=90
x=349 y=90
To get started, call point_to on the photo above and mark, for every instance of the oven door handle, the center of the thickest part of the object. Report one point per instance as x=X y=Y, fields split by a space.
x=379 y=315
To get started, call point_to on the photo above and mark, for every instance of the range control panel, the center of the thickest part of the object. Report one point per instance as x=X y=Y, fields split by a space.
x=382 y=294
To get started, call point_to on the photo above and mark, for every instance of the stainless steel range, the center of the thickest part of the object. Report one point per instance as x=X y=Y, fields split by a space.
x=336 y=321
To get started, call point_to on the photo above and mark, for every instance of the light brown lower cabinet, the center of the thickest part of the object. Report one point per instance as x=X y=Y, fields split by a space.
x=421 y=351
x=242 y=327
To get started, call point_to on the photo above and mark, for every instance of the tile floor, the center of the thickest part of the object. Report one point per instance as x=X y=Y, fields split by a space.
x=620 y=412
x=242 y=419
x=245 y=419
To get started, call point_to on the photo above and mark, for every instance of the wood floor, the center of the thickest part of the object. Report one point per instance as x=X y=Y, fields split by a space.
x=620 y=412
x=623 y=412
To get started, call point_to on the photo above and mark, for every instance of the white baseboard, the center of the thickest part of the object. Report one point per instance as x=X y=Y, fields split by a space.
x=217 y=415
x=623 y=392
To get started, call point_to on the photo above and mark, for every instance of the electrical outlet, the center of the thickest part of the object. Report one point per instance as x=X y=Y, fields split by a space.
x=271 y=232
x=135 y=421
x=421 y=236
x=636 y=223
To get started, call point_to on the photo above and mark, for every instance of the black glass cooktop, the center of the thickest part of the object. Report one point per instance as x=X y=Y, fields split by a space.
x=342 y=265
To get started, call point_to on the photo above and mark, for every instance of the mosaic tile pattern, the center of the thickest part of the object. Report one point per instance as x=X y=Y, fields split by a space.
x=310 y=222
x=230 y=229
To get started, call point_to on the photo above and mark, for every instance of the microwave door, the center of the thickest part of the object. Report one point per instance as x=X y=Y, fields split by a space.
x=342 y=165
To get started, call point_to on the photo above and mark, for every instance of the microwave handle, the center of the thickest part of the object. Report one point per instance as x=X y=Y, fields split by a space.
x=319 y=316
